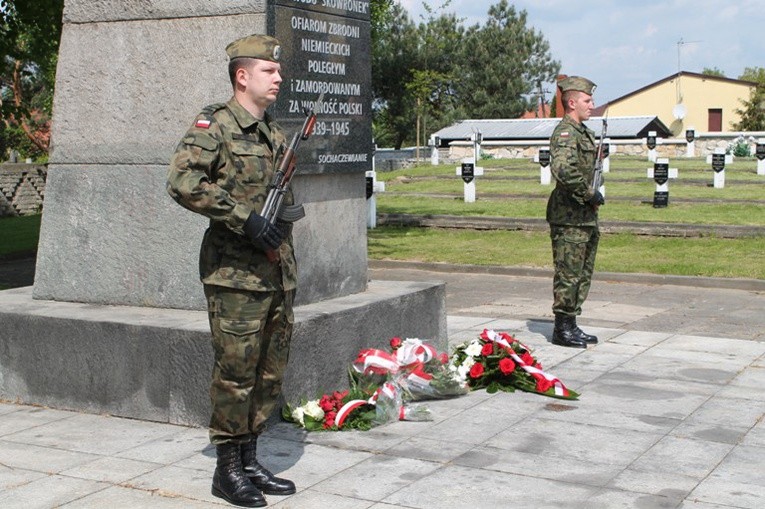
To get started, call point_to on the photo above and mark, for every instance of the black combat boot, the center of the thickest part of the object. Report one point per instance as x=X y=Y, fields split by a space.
x=564 y=334
x=587 y=338
x=229 y=481
x=260 y=476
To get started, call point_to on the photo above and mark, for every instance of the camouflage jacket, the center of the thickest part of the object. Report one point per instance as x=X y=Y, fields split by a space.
x=221 y=169
x=572 y=153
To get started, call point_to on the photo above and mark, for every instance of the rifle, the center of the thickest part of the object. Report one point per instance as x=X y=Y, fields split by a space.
x=597 y=177
x=272 y=209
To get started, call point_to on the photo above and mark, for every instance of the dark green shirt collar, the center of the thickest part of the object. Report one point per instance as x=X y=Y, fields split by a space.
x=246 y=120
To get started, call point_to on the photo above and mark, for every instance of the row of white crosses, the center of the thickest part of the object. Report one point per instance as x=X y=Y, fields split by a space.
x=545 y=174
x=660 y=172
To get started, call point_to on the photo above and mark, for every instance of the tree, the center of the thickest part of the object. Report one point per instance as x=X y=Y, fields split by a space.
x=503 y=62
x=713 y=71
x=29 y=39
x=393 y=56
x=753 y=112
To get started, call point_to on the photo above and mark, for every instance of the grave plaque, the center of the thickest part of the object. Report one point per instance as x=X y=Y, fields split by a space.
x=651 y=142
x=718 y=162
x=468 y=172
x=690 y=135
x=759 y=151
x=605 y=150
x=544 y=157
x=660 y=199
x=661 y=173
x=370 y=186
x=326 y=49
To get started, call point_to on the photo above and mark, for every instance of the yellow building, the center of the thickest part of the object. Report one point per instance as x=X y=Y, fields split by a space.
x=687 y=100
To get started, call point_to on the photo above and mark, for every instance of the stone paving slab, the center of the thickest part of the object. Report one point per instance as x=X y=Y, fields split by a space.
x=671 y=414
x=664 y=420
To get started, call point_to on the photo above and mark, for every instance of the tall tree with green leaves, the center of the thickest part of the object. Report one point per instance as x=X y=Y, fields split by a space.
x=29 y=37
x=753 y=110
x=503 y=62
x=394 y=52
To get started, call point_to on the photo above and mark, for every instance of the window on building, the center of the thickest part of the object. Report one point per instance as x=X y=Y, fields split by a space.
x=715 y=120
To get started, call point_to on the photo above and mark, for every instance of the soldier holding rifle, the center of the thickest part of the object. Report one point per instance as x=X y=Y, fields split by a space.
x=572 y=211
x=222 y=169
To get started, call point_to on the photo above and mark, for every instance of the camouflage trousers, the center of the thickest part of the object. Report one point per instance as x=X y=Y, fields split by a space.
x=251 y=334
x=574 y=249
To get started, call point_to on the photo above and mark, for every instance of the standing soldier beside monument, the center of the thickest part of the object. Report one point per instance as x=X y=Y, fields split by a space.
x=572 y=211
x=222 y=169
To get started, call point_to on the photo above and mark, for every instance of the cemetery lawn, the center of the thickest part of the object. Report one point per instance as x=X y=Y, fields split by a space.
x=19 y=234
x=510 y=188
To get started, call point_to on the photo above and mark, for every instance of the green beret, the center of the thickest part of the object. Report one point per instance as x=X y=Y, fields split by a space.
x=577 y=83
x=259 y=46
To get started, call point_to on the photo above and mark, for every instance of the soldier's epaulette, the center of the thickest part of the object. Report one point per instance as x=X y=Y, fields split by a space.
x=207 y=112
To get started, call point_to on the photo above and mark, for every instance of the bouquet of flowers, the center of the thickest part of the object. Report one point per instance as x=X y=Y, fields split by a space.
x=413 y=366
x=322 y=413
x=497 y=361
x=382 y=385
x=354 y=409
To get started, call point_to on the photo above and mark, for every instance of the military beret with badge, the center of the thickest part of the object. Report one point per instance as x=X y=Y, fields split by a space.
x=577 y=83
x=263 y=47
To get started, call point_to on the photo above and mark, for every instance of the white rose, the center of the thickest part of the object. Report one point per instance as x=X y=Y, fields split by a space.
x=474 y=349
x=312 y=409
x=464 y=369
x=297 y=415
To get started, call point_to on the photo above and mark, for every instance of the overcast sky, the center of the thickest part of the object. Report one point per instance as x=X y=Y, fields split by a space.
x=628 y=44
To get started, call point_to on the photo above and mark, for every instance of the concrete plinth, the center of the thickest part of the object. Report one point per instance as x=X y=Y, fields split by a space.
x=155 y=364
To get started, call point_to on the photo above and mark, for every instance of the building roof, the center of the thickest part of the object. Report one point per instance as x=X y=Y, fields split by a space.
x=542 y=128
x=600 y=109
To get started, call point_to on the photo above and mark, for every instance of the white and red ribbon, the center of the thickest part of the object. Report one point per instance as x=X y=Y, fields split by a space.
x=504 y=339
x=387 y=390
x=375 y=361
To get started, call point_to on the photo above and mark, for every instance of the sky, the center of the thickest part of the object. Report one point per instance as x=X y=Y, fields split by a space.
x=625 y=45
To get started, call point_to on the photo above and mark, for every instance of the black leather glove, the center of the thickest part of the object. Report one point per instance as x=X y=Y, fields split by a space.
x=597 y=199
x=262 y=233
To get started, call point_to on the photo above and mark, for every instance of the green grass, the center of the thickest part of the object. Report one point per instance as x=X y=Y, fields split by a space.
x=19 y=234
x=695 y=213
x=517 y=193
x=707 y=256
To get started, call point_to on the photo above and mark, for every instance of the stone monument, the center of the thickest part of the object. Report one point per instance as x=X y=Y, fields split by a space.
x=115 y=320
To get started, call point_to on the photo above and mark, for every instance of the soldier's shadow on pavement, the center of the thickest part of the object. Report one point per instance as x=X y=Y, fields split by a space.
x=279 y=448
x=542 y=327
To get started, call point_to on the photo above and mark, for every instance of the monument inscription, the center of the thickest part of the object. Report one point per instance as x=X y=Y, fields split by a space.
x=325 y=49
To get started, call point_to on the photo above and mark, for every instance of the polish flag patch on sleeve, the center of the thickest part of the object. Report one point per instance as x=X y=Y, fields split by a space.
x=203 y=123
x=564 y=134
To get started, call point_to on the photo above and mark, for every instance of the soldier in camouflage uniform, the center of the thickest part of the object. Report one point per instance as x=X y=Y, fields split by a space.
x=572 y=211
x=221 y=169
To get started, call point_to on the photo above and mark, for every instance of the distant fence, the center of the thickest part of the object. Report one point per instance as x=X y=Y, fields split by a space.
x=704 y=144
x=22 y=188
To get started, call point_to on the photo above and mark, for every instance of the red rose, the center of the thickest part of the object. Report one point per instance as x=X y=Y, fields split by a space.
x=543 y=384
x=527 y=359
x=326 y=403
x=329 y=419
x=395 y=343
x=477 y=370
x=444 y=358
x=506 y=365
x=487 y=349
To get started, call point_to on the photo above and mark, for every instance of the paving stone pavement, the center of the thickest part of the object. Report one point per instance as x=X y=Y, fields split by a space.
x=671 y=415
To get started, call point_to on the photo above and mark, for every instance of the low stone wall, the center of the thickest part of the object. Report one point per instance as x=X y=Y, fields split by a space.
x=705 y=144
x=22 y=188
